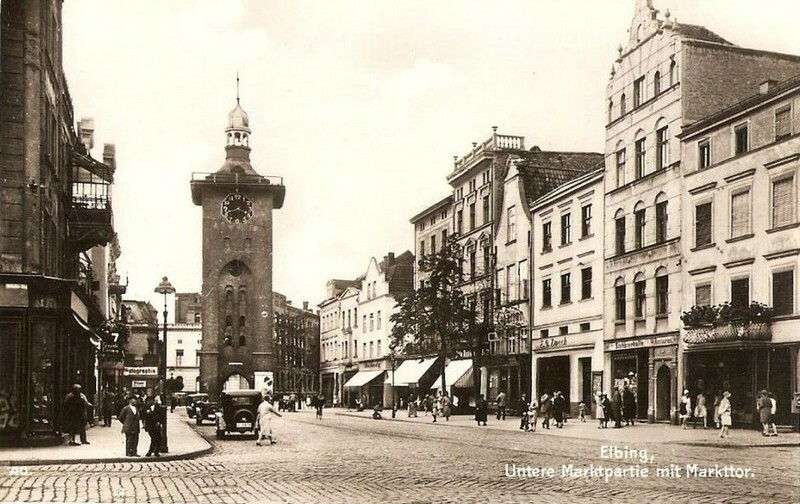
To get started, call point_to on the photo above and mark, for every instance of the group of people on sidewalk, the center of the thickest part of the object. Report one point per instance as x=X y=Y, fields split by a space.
x=551 y=408
x=621 y=406
x=438 y=405
x=76 y=416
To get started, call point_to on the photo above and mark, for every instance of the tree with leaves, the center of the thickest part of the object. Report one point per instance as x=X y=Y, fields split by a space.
x=435 y=318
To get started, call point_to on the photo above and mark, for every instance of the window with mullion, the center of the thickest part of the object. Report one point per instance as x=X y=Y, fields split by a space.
x=740 y=214
x=641 y=155
x=620 y=167
x=566 y=228
x=547 y=237
x=783 y=202
x=783 y=123
x=662 y=148
x=620 y=235
x=639 y=299
x=586 y=220
x=740 y=292
x=547 y=293
x=639 y=215
x=662 y=294
x=566 y=289
x=702 y=225
x=619 y=302
x=586 y=283
x=661 y=222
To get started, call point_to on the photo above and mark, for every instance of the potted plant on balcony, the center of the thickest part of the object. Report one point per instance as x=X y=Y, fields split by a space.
x=699 y=323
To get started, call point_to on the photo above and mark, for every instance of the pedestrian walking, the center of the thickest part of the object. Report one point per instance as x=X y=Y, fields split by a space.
x=74 y=414
x=502 y=403
x=412 y=407
x=685 y=408
x=481 y=408
x=173 y=403
x=717 y=399
x=725 y=414
x=559 y=405
x=628 y=406
x=108 y=405
x=605 y=410
x=151 y=418
x=437 y=405
x=129 y=416
x=265 y=412
x=533 y=414
x=545 y=406
x=616 y=408
x=428 y=404
x=764 y=406
x=522 y=407
x=772 y=412
x=319 y=403
x=446 y=407
x=700 y=410
x=582 y=410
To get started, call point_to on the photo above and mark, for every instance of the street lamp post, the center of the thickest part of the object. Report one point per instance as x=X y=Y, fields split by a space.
x=394 y=403
x=164 y=287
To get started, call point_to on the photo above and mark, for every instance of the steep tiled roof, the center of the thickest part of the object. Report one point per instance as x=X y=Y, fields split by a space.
x=697 y=32
x=140 y=312
x=400 y=273
x=542 y=172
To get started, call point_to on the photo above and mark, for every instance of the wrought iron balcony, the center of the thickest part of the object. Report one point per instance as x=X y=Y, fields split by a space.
x=90 y=217
x=742 y=331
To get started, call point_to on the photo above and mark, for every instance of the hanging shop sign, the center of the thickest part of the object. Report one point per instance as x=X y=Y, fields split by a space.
x=141 y=371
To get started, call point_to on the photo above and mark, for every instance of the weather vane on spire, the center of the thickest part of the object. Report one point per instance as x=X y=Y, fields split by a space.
x=237 y=87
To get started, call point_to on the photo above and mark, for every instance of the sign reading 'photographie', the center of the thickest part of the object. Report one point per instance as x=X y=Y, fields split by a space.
x=141 y=371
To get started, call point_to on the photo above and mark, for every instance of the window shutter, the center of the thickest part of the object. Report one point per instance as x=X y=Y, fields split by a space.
x=740 y=214
x=782 y=202
x=702 y=224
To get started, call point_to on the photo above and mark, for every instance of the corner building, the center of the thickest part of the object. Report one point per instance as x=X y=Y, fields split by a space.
x=238 y=318
x=667 y=76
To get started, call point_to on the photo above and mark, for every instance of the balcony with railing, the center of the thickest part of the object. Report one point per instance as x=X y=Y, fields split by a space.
x=727 y=323
x=90 y=220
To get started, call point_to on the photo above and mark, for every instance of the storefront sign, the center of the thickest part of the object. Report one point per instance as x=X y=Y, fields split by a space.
x=141 y=371
x=552 y=342
x=642 y=343
x=139 y=383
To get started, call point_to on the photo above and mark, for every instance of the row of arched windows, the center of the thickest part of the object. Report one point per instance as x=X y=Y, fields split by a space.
x=640 y=94
x=661 y=280
x=643 y=217
x=643 y=157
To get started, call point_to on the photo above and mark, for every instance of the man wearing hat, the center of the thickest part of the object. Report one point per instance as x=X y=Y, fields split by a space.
x=74 y=414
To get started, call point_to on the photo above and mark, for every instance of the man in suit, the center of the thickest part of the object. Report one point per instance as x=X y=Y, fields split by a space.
x=152 y=424
x=129 y=416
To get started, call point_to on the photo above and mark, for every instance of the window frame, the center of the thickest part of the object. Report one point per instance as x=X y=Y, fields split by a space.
x=586 y=220
x=638 y=92
x=620 y=309
x=662 y=294
x=792 y=305
x=792 y=196
x=566 y=288
x=586 y=283
x=566 y=228
x=703 y=153
x=662 y=148
x=738 y=147
x=662 y=220
x=640 y=157
x=697 y=236
x=639 y=298
x=784 y=109
x=745 y=278
x=547 y=236
x=547 y=292
x=640 y=227
x=748 y=214
x=619 y=234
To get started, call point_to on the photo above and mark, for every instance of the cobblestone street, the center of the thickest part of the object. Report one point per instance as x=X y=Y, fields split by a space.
x=348 y=459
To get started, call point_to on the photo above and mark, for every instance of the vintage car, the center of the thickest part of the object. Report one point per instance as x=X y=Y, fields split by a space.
x=191 y=399
x=205 y=410
x=238 y=411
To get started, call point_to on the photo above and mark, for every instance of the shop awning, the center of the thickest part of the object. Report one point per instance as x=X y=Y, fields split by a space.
x=93 y=337
x=457 y=373
x=411 y=371
x=363 y=377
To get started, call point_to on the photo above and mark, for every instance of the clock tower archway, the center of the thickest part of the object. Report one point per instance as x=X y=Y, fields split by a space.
x=237 y=204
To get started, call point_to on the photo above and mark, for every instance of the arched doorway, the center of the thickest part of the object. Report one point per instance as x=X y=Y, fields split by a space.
x=236 y=382
x=663 y=393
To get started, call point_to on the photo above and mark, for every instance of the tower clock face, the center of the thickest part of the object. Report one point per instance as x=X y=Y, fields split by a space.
x=237 y=208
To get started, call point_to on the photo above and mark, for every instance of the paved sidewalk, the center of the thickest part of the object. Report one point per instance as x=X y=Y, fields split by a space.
x=641 y=432
x=107 y=445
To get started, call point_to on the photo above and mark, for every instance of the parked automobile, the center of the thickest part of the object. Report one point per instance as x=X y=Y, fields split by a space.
x=238 y=412
x=205 y=411
x=191 y=399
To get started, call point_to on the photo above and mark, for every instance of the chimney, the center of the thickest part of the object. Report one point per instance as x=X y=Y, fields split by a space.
x=766 y=86
x=86 y=132
x=390 y=259
x=110 y=155
x=305 y=305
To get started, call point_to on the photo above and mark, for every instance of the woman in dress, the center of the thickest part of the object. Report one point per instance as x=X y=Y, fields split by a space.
x=685 y=408
x=480 y=410
x=700 y=410
x=764 y=405
x=725 y=414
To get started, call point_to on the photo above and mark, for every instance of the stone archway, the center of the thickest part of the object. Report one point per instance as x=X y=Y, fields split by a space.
x=236 y=382
x=663 y=392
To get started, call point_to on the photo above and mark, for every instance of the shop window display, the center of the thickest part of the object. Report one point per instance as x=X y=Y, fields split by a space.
x=42 y=375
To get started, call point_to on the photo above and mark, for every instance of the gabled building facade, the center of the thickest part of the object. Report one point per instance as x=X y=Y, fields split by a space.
x=667 y=76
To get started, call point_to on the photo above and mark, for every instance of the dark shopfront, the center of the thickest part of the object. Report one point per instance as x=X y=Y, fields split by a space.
x=46 y=345
x=744 y=372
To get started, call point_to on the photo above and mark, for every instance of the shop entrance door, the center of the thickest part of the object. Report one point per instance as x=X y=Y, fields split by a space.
x=663 y=393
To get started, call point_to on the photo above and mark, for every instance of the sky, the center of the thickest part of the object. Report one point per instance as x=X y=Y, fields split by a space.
x=359 y=106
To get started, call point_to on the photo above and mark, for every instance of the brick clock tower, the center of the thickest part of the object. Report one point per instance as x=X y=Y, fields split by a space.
x=237 y=205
